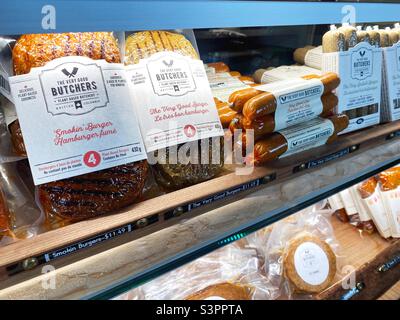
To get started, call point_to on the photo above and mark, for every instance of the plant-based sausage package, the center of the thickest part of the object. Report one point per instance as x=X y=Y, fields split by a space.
x=359 y=67
x=84 y=146
x=176 y=109
x=298 y=138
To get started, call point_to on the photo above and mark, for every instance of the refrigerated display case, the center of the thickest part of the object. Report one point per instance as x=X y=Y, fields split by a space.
x=105 y=257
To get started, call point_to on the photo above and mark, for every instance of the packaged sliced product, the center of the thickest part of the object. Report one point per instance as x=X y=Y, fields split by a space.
x=170 y=171
x=374 y=36
x=298 y=138
x=333 y=41
x=350 y=35
x=362 y=35
x=384 y=38
x=393 y=35
x=91 y=194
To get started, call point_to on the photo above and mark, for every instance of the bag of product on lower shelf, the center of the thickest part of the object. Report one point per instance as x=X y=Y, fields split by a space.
x=302 y=255
x=234 y=272
x=389 y=185
x=372 y=204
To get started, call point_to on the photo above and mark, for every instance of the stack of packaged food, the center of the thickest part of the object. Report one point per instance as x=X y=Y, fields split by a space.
x=287 y=117
x=372 y=205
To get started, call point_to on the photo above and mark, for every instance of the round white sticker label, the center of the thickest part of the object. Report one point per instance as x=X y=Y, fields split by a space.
x=311 y=263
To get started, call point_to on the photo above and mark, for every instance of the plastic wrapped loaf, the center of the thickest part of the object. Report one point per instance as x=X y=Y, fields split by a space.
x=94 y=193
x=35 y=50
x=142 y=45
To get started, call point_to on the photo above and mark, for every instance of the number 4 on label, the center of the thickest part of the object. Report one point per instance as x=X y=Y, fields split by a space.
x=92 y=159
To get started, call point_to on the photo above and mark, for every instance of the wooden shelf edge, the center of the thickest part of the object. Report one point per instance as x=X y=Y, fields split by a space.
x=157 y=209
x=372 y=279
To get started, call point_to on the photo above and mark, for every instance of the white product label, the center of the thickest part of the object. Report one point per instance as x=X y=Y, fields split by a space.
x=311 y=263
x=391 y=201
x=173 y=100
x=392 y=82
x=5 y=85
x=214 y=298
x=305 y=136
x=375 y=208
x=298 y=103
x=360 y=71
x=361 y=63
x=76 y=116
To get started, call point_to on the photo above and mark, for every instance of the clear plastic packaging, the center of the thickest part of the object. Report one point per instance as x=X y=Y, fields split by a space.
x=25 y=218
x=171 y=171
x=311 y=223
x=225 y=274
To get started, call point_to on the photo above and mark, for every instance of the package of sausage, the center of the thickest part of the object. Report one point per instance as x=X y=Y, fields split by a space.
x=391 y=79
x=293 y=101
x=359 y=67
x=298 y=138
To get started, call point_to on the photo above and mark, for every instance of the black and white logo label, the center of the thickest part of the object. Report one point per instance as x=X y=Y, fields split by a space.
x=73 y=88
x=170 y=74
x=361 y=63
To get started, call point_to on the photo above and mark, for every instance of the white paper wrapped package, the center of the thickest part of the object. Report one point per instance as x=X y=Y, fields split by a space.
x=391 y=202
x=376 y=210
x=359 y=91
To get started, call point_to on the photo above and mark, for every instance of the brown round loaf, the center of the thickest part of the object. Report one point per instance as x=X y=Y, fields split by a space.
x=307 y=256
x=223 y=291
x=95 y=193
